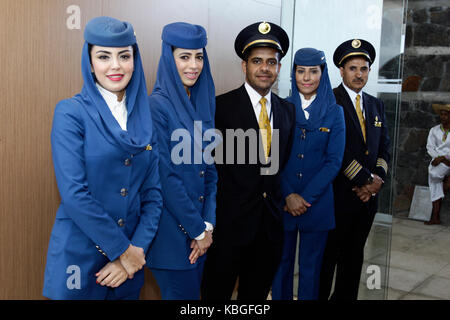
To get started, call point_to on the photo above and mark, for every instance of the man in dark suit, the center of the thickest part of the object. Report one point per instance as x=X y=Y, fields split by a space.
x=247 y=240
x=362 y=175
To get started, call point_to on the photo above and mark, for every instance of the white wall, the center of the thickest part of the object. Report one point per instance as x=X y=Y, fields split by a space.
x=324 y=25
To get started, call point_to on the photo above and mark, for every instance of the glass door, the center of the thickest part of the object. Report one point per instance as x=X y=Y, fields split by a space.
x=324 y=25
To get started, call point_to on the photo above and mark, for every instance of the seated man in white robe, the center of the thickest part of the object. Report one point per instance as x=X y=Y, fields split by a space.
x=438 y=147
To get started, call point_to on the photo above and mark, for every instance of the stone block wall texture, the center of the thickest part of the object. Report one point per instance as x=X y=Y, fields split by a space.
x=426 y=80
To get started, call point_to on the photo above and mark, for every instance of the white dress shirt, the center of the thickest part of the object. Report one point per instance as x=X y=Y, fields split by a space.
x=118 y=108
x=306 y=103
x=353 y=95
x=254 y=98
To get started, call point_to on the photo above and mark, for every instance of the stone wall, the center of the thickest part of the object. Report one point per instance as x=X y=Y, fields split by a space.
x=426 y=80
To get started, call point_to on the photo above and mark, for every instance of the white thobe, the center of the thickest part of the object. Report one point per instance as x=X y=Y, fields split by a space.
x=436 y=147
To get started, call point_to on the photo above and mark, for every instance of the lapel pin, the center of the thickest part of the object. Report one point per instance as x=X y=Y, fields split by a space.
x=377 y=123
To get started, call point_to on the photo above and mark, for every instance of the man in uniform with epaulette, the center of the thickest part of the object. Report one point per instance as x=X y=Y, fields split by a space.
x=364 y=169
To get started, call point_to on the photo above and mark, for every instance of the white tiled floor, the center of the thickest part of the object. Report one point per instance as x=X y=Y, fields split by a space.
x=419 y=261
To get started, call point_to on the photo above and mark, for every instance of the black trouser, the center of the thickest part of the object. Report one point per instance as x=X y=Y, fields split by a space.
x=345 y=253
x=255 y=264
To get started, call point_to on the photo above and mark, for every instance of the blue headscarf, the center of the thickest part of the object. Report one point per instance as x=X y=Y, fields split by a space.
x=324 y=95
x=201 y=104
x=110 y=32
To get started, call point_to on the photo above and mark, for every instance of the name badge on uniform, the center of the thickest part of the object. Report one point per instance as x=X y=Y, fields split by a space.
x=377 y=123
x=323 y=129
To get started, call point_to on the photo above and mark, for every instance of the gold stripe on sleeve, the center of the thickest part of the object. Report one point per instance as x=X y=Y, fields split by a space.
x=382 y=163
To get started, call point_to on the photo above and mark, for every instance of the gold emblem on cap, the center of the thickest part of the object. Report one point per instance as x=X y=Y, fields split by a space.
x=264 y=27
x=356 y=43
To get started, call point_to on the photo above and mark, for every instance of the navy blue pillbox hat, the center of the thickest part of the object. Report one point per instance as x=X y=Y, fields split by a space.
x=109 y=32
x=184 y=35
x=309 y=57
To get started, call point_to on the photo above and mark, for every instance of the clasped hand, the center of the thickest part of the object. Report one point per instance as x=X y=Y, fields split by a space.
x=114 y=273
x=367 y=191
x=438 y=160
x=296 y=205
x=199 y=247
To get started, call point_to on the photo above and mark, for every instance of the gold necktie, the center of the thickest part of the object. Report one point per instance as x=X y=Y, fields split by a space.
x=264 y=126
x=362 y=122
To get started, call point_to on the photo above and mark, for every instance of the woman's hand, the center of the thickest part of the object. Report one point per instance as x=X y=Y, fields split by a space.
x=296 y=205
x=133 y=259
x=199 y=247
x=113 y=274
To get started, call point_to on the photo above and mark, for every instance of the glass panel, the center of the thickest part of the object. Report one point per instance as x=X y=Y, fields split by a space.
x=324 y=25
x=389 y=91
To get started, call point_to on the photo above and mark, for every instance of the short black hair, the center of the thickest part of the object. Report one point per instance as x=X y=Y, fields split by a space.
x=352 y=57
x=247 y=53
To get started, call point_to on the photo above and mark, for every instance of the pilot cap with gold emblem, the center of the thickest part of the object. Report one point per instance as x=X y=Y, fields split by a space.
x=261 y=34
x=352 y=48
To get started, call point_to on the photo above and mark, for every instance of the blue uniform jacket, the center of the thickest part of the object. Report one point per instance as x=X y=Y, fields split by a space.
x=110 y=199
x=189 y=193
x=314 y=162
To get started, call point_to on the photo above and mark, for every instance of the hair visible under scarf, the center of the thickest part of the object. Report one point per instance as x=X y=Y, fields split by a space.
x=324 y=94
x=200 y=106
x=112 y=32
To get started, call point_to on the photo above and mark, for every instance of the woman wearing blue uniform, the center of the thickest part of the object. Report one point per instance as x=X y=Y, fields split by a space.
x=183 y=106
x=106 y=168
x=314 y=162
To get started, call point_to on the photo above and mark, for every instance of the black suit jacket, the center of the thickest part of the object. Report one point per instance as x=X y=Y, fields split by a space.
x=247 y=200
x=360 y=158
